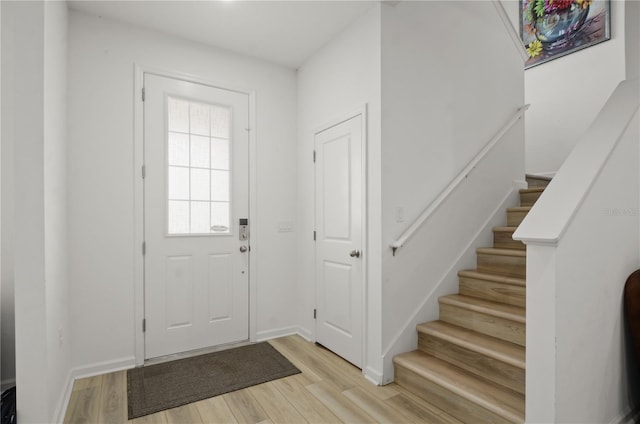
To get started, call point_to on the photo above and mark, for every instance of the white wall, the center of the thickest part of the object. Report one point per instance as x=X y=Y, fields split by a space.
x=55 y=203
x=632 y=38
x=102 y=55
x=582 y=244
x=436 y=104
x=35 y=127
x=443 y=100
x=340 y=78
x=0 y=198
x=566 y=94
x=7 y=318
x=24 y=110
x=590 y=324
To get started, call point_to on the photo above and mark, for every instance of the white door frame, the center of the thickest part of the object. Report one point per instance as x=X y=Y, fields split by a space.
x=138 y=162
x=362 y=110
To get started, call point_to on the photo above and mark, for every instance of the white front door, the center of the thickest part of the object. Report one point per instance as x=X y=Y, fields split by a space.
x=196 y=268
x=339 y=227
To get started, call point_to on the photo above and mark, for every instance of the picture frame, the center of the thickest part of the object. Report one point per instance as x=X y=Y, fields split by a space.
x=550 y=29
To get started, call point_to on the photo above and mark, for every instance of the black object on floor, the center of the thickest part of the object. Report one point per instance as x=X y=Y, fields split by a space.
x=168 y=385
x=8 y=406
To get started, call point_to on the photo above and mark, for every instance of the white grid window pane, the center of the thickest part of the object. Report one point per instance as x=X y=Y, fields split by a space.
x=178 y=149
x=200 y=184
x=198 y=168
x=178 y=111
x=178 y=183
x=200 y=217
x=220 y=121
x=199 y=151
x=220 y=217
x=178 y=217
x=219 y=153
x=220 y=186
x=199 y=119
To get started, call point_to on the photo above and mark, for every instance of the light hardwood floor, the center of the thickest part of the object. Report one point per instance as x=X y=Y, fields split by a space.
x=329 y=390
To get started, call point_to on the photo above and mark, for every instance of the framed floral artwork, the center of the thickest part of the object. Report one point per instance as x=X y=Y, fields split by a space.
x=554 y=28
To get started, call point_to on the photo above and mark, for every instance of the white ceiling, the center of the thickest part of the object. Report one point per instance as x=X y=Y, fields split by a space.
x=284 y=32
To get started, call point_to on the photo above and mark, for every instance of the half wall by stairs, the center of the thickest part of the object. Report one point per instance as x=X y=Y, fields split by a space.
x=471 y=362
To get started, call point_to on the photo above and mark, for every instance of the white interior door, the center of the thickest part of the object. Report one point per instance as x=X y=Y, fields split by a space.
x=339 y=221
x=195 y=196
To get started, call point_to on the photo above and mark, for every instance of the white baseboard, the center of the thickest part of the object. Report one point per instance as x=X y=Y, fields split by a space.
x=631 y=416
x=262 y=336
x=374 y=376
x=103 y=367
x=84 y=372
x=306 y=334
x=63 y=401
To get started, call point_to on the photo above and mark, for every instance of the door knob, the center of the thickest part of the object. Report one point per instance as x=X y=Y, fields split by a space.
x=243 y=249
x=355 y=253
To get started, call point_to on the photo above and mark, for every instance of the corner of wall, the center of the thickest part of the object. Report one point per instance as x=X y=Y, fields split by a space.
x=374 y=376
x=6 y=221
x=63 y=400
x=262 y=336
x=576 y=99
x=631 y=417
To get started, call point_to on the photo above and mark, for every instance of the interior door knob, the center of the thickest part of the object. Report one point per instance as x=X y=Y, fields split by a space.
x=355 y=253
x=243 y=249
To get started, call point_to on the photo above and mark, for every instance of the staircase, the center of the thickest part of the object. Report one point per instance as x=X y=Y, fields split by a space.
x=471 y=362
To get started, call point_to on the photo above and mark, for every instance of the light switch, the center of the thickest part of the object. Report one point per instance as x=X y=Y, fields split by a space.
x=285 y=226
x=399 y=213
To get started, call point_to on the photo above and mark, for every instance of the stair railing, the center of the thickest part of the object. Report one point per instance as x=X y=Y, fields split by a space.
x=450 y=188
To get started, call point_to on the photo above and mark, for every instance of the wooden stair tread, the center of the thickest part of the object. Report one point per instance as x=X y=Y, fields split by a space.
x=472 y=360
x=532 y=190
x=486 y=345
x=519 y=209
x=504 y=229
x=487 y=307
x=502 y=402
x=538 y=177
x=501 y=252
x=480 y=275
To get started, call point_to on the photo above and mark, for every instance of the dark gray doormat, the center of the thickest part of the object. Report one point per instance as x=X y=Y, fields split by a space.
x=163 y=386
